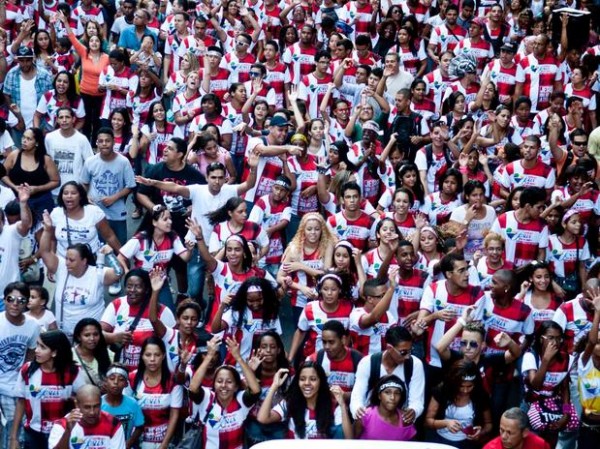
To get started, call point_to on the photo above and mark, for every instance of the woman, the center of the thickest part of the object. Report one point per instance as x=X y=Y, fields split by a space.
x=44 y=388
x=156 y=133
x=498 y=132
x=226 y=399
x=412 y=52
x=157 y=394
x=232 y=219
x=211 y=112
x=270 y=350
x=80 y=283
x=148 y=59
x=153 y=245
x=407 y=175
x=93 y=63
x=485 y=102
x=545 y=371
x=181 y=341
x=474 y=166
x=329 y=305
x=258 y=118
x=455 y=109
x=305 y=258
x=459 y=413
x=308 y=406
x=439 y=205
x=90 y=352
x=205 y=150
x=386 y=39
x=251 y=312
x=43 y=50
x=187 y=105
x=430 y=249
x=31 y=165
x=288 y=36
x=475 y=217
x=434 y=159
x=491 y=260
x=383 y=419
x=567 y=254
x=126 y=322
x=146 y=94
x=402 y=200
x=318 y=140
x=537 y=292
x=75 y=220
x=93 y=29
x=229 y=274
x=116 y=81
x=176 y=82
x=464 y=135
x=347 y=262
x=63 y=94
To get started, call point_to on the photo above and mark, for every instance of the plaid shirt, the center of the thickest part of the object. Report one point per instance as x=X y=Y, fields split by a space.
x=12 y=84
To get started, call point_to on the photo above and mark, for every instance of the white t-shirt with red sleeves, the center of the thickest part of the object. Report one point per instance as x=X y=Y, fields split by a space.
x=251 y=327
x=482 y=51
x=312 y=319
x=106 y=434
x=369 y=340
x=113 y=99
x=538 y=77
x=563 y=257
x=310 y=418
x=515 y=175
x=504 y=79
x=267 y=214
x=313 y=90
x=147 y=254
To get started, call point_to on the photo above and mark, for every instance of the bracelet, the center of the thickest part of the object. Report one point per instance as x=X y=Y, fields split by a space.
x=461 y=321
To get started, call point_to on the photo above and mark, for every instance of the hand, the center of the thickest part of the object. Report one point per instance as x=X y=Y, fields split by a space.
x=360 y=412
x=524 y=287
x=294 y=150
x=253 y=160
x=73 y=417
x=184 y=356
x=257 y=84
x=194 y=227
x=421 y=221
x=123 y=338
x=467 y=314
x=463 y=159
x=108 y=201
x=392 y=242
x=483 y=159
x=393 y=275
x=388 y=72
x=234 y=348
x=24 y=192
x=145 y=181
x=595 y=294
x=310 y=293
x=453 y=425
x=470 y=214
x=280 y=377
x=15 y=109
x=410 y=320
x=213 y=345
x=502 y=340
x=476 y=433
x=227 y=300
x=338 y=394
x=157 y=278
x=255 y=359
x=308 y=192
x=293 y=94
x=46 y=220
x=408 y=416
x=550 y=350
x=419 y=327
x=446 y=315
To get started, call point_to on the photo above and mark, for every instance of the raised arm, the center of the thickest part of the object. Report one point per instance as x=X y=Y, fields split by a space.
x=48 y=256
x=196 y=230
x=157 y=280
x=170 y=187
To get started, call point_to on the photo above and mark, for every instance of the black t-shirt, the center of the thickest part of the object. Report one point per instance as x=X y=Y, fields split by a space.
x=492 y=367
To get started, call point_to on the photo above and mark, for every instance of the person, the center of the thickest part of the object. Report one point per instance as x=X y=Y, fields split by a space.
x=67 y=147
x=90 y=351
x=515 y=434
x=63 y=94
x=308 y=407
x=82 y=283
x=126 y=320
x=108 y=178
x=121 y=406
x=227 y=398
x=383 y=419
x=131 y=36
x=44 y=388
x=37 y=308
x=491 y=259
x=18 y=340
x=395 y=359
x=87 y=424
x=537 y=292
x=459 y=412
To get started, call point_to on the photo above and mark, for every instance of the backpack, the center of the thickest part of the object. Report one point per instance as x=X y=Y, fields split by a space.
x=375 y=373
x=429 y=156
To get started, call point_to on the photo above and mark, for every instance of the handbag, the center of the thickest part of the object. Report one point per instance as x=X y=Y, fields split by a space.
x=194 y=436
x=118 y=348
x=546 y=411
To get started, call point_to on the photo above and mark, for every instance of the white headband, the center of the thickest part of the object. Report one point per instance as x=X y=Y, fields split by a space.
x=117 y=370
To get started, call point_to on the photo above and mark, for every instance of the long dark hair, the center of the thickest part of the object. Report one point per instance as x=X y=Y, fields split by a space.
x=247 y=260
x=57 y=341
x=282 y=361
x=296 y=402
x=36 y=48
x=100 y=351
x=222 y=213
x=145 y=230
x=404 y=167
x=126 y=133
x=165 y=374
x=40 y=146
x=270 y=307
x=72 y=90
x=540 y=332
x=150 y=119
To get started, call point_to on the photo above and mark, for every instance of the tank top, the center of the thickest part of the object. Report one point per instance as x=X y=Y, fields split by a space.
x=37 y=177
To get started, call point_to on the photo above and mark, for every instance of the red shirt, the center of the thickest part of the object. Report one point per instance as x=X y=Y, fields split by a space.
x=531 y=441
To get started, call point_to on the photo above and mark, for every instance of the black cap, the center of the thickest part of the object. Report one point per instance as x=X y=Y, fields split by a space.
x=24 y=52
x=509 y=47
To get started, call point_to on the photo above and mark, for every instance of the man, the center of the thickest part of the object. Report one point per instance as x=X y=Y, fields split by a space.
x=442 y=303
x=368 y=324
x=123 y=21
x=343 y=50
x=514 y=433
x=476 y=46
x=396 y=359
x=524 y=232
x=466 y=14
x=278 y=74
x=109 y=179
x=240 y=59
x=371 y=92
x=313 y=86
x=502 y=72
x=360 y=17
x=411 y=129
x=446 y=36
x=496 y=29
x=363 y=155
x=538 y=75
x=175 y=170
x=529 y=171
x=258 y=88
x=204 y=199
x=177 y=44
x=215 y=78
x=394 y=76
x=87 y=425
x=337 y=360
x=351 y=223
x=300 y=57
x=18 y=340
x=565 y=157
x=68 y=147
x=131 y=37
x=24 y=83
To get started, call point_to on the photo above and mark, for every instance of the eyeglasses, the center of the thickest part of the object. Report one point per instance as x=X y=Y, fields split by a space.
x=255 y=74
x=580 y=144
x=242 y=43
x=402 y=353
x=470 y=343
x=20 y=299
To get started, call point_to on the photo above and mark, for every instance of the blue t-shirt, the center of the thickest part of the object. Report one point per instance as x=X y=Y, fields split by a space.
x=129 y=414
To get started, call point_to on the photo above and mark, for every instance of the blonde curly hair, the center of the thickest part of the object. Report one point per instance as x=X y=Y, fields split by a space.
x=328 y=239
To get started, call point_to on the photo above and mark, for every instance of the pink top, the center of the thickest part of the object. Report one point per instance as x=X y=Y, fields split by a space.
x=202 y=163
x=375 y=428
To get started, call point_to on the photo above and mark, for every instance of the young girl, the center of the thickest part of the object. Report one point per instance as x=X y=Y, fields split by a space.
x=156 y=393
x=407 y=176
x=176 y=82
x=403 y=200
x=308 y=405
x=474 y=166
x=44 y=389
x=251 y=312
x=491 y=260
x=226 y=402
x=347 y=260
x=90 y=351
x=383 y=418
x=146 y=93
x=567 y=254
x=537 y=293
x=204 y=150
x=371 y=261
x=37 y=308
x=125 y=144
x=439 y=205
x=459 y=411
x=318 y=145
x=329 y=306
x=156 y=133
x=430 y=249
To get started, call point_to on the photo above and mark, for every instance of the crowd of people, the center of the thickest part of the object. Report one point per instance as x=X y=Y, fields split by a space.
x=368 y=219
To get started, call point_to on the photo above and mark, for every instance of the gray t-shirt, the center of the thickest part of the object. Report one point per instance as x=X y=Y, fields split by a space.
x=107 y=178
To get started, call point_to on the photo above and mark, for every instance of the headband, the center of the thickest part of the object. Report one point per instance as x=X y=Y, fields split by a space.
x=391 y=384
x=299 y=136
x=117 y=370
x=235 y=238
x=254 y=289
x=214 y=53
x=430 y=229
x=568 y=215
x=283 y=184
x=469 y=378
x=345 y=244
x=333 y=276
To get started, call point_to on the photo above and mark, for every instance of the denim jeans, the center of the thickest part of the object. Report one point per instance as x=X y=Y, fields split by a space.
x=196 y=272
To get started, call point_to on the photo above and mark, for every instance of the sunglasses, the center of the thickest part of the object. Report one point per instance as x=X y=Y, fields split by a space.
x=242 y=43
x=470 y=343
x=255 y=74
x=402 y=353
x=20 y=299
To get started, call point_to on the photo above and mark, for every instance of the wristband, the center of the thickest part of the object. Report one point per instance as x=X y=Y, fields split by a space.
x=461 y=321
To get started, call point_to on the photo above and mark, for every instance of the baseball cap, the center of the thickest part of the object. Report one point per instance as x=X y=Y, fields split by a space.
x=509 y=47
x=24 y=52
x=278 y=120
